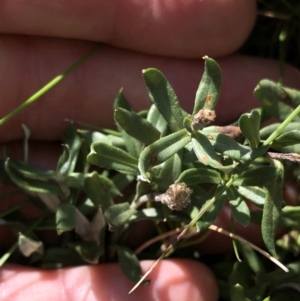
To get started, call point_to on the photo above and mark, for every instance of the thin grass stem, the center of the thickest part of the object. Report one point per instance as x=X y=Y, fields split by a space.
x=47 y=87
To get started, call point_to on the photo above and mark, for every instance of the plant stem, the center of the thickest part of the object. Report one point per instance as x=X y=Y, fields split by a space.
x=47 y=87
x=282 y=126
x=15 y=208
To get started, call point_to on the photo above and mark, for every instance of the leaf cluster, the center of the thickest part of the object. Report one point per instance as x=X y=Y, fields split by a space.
x=236 y=165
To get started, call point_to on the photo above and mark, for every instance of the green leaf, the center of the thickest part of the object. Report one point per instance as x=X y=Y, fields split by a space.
x=291 y=216
x=257 y=177
x=157 y=120
x=55 y=258
x=242 y=275
x=142 y=188
x=204 y=151
x=209 y=216
x=73 y=143
x=199 y=175
x=75 y=180
x=286 y=139
x=268 y=130
x=121 y=181
x=111 y=157
x=121 y=101
x=239 y=209
x=254 y=194
x=163 y=96
x=278 y=101
x=118 y=214
x=253 y=260
x=136 y=126
x=228 y=147
x=249 y=124
x=161 y=150
x=89 y=251
x=170 y=171
x=272 y=208
x=209 y=88
x=237 y=293
x=28 y=184
x=28 y=171
x=65 y=218
x=92 y=137
x=154 y=214
x=133 y=145
x=99 y=189
x=129 y=263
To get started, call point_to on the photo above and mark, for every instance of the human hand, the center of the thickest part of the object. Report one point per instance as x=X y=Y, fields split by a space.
x=171 y=36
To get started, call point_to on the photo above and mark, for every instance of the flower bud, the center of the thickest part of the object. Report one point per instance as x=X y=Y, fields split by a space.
x=177 y=197
x=203 y=118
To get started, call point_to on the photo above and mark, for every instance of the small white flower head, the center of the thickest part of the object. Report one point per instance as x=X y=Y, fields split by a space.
x=177 y=197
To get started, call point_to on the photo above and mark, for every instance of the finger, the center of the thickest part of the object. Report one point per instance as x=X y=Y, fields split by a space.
x=172 y=28
x=87 y=94
x=171 y=280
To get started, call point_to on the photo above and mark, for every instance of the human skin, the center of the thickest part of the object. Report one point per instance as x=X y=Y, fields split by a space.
x=39 y=39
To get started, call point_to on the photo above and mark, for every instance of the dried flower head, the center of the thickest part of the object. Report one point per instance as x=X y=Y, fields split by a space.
x=177 y=197
x=203 y=118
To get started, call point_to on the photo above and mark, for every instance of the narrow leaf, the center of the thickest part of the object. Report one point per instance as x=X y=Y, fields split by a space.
x=31 y=185
x=272 y=208
x=163 y=96
x=157 y=120
x=97 y=189
x=199 y=175
x=286 y=139
x=254 y=194
x=209 y=88
x=121 y=101
x=118 y=214
x=237 y=293
x=29 y=171
x=252 y=259
x=170 y=171
x=204 y=151
x=239 y=209
x=268 y=130
x=257 y=177
x=129 y=263
x=133 y=145
x=90 y=252
x=111 y=157
x=92 y=137
x=136 y=126
x=227 y=146
x=276 y=100
x=211 y=214
x=161 y=150
x=73 y=143
x=65 y=218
